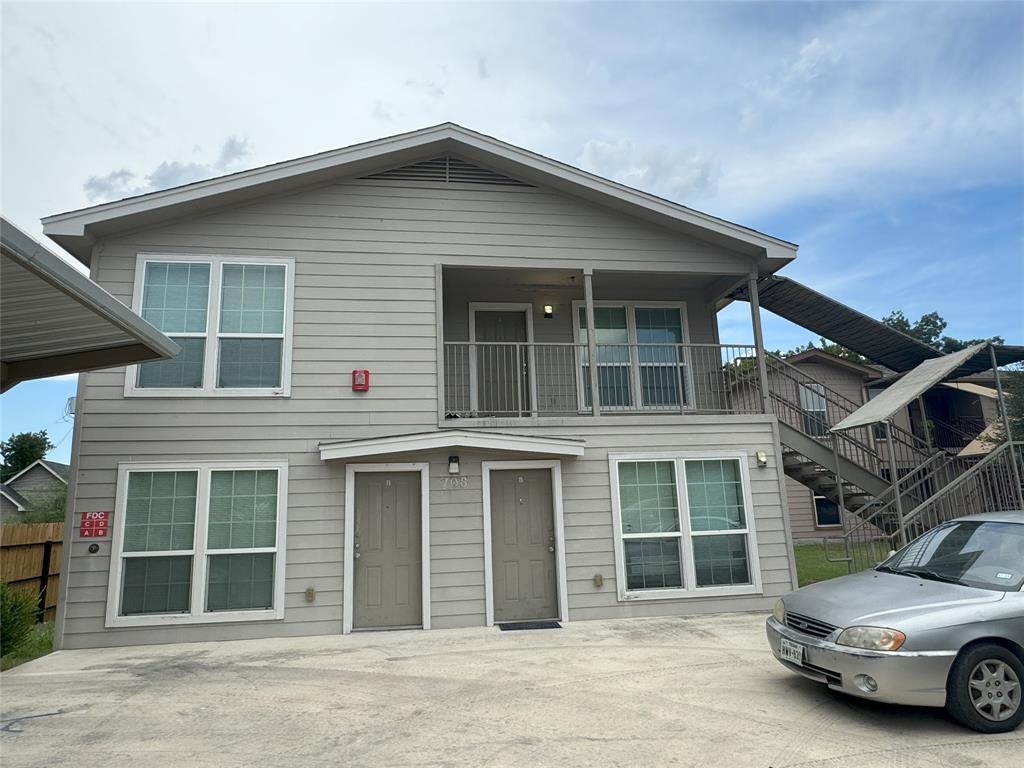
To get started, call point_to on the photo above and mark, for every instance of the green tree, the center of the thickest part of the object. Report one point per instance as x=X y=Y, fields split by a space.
x=46 y=507
x=1012 y=380
x=21 y=450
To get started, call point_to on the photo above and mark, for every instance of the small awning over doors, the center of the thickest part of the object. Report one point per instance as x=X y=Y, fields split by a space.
x=908 y=388
x=451 y=438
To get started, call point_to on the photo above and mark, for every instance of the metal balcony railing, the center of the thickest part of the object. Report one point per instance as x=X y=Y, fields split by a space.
x=519 y=379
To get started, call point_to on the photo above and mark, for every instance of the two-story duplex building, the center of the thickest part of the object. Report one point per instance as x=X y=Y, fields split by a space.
x=433 y=380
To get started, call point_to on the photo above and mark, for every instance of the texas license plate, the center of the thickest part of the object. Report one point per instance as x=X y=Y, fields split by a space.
x=791 y=651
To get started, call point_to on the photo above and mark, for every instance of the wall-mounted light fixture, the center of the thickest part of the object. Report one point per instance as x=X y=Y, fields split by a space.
x=762 y=458
x=453 y=465
x=549 y=311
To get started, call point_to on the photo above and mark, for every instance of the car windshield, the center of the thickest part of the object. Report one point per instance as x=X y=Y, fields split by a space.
x=984 y=554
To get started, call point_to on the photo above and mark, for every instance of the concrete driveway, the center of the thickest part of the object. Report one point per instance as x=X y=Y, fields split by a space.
x=687 y=692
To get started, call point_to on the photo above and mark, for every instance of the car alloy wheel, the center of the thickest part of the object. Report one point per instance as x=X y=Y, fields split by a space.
x=995 y=690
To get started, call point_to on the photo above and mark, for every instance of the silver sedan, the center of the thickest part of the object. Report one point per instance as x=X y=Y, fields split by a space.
x=940 y=623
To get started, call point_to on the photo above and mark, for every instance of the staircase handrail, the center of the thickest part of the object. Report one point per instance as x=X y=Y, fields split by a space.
x=962 y=478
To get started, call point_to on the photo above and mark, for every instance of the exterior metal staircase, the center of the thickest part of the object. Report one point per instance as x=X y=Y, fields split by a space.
x=891 y=484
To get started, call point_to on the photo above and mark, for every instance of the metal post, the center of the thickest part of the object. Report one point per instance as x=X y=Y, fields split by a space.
x=1006 y=425
x=842 y=503
x=924 y=423
x=895 y=475
x=588 y=296
x=755 y=317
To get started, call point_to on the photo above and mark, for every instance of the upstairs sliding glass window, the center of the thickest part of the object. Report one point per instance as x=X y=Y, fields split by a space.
x=230 y=316
x=641 y=357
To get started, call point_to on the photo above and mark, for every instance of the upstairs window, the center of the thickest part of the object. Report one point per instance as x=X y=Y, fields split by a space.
x=230 y=316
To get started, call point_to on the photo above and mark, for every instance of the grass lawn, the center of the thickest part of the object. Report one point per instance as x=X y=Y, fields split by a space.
x=39 y=643
x=811 y=565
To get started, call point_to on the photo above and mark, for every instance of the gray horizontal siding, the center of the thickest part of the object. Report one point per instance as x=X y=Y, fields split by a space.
x=365 y=297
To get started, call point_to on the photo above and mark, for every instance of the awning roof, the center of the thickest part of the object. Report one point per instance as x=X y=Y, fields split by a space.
x=855 y=330
x=54 y=320
x=913 y=384
x=451 y=438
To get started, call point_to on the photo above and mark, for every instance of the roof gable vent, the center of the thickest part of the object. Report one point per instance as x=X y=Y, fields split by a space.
x=447 y=170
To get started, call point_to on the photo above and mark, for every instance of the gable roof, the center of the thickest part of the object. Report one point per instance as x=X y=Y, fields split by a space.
x=19 y=501
x=821 y=356
x=77 y=230
x=55 y=468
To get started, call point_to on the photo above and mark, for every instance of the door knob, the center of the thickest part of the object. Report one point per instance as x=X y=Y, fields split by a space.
x=551 y=549
x=357 y=555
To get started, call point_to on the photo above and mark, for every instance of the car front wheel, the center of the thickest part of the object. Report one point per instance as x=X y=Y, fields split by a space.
x=984 y=689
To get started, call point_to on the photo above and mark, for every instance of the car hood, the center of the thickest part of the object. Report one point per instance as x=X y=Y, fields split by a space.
x=874 y=598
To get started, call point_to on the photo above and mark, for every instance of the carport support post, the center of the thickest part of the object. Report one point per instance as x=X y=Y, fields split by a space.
x=762 y=366
x=588 y=297
x=1019 y=490
x=924 y=423
x=895 y=475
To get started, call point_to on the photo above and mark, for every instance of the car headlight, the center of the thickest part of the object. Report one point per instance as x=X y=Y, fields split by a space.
x=779 y=612
x=872 y=638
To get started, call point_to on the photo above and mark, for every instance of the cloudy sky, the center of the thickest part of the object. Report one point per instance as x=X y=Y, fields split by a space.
x=887 y=140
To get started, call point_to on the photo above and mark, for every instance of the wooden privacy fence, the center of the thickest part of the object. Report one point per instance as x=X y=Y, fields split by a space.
x=30 y=561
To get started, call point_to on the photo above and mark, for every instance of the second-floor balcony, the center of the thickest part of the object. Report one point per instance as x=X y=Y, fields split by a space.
x=518 y=379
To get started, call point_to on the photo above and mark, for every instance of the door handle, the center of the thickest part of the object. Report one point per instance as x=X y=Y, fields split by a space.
x=551 y=549
x=357 y=555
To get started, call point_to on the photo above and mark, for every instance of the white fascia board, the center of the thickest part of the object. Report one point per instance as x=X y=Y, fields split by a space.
x=550 y=446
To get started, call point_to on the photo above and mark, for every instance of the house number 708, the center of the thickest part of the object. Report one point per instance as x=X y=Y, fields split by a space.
x=454 y=482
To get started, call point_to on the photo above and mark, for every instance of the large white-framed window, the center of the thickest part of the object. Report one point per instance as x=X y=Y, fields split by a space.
x=198 y=542
x=683 y=526
x=815 y=410
x=639 y=365
x=232 y=317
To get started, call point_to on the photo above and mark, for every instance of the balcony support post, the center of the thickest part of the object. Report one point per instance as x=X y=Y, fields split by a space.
x=755 y=317
x=1019 y=491
x=588 y=296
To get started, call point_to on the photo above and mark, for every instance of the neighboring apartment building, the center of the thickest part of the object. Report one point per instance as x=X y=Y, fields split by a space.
x=957 y=411
x=382 y=413
x=38 y=483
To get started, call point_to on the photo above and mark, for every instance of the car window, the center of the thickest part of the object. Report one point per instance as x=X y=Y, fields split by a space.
x=984 y=554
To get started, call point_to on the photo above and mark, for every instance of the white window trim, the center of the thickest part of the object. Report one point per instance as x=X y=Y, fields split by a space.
x=689 y=590
x=814 y=511
x=558 y=514
x=212 y=333
x=490 y=306
x=634 y=361
x=349 y=568
x=197 y=613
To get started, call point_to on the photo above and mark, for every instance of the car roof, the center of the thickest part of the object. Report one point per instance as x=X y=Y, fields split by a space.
x=1011 y=516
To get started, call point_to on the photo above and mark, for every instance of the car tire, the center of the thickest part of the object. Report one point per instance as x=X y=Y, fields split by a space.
x=985 y=690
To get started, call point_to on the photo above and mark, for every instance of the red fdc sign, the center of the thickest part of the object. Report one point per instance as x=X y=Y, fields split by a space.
x=95 y=525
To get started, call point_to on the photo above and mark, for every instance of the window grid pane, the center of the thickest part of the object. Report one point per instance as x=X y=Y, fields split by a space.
x=714 y=491
x=243 y=509
x=183 y=371
x=249 y=363
x=240 y=582
x=252 y=299
x=653 y=564
x=176 y=295
x=160 y=511
x=721 y=560
x=647 y=497
x=156 y=585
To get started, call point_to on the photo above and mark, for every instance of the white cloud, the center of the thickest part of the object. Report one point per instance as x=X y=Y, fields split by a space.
x=661 y=170
x=122 y=182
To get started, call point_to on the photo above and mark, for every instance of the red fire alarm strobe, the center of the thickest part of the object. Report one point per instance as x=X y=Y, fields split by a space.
x=360 y=381
x=95 y=525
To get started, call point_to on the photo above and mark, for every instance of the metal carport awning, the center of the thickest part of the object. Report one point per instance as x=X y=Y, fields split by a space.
x=54 y=320
x=854 y=330
x=908 y=388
